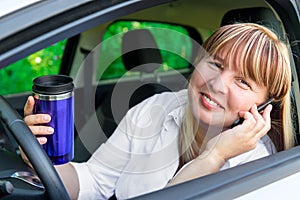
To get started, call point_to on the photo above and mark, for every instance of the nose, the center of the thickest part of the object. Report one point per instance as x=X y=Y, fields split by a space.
x=220 y=82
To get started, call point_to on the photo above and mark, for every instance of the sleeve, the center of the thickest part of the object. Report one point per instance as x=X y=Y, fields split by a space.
x=98 y=176
x=264 y=147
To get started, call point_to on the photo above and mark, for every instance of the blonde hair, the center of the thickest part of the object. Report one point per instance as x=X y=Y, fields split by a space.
x=264 y=58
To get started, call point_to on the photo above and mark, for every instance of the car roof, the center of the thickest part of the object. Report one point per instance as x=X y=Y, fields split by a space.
x=14 y=5
x=17 y=15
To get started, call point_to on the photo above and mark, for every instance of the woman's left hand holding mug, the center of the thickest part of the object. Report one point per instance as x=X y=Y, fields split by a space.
x=35 y=121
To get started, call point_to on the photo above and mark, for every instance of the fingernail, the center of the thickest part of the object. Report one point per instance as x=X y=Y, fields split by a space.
x=255 y=106
x=270 y=107
x=42 y=140
x=50 y=130
x=46 y=118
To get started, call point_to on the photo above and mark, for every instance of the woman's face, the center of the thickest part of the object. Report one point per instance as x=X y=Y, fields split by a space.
x=218 y=93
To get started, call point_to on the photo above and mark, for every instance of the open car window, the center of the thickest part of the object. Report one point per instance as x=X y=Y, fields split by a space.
x=44 y=62
x=182 y=47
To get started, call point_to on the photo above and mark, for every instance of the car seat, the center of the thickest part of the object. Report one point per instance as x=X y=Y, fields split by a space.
x=140 y=54
x=259 y=15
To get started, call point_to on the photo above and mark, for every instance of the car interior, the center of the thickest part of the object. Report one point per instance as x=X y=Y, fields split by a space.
x=140 y=54
x=101 y=99
x=114 y=97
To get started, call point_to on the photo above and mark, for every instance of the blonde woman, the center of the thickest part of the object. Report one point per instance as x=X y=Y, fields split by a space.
x=178 y=136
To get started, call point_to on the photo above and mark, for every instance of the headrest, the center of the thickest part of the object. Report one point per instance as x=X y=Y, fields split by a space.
x=259 y=15
x=140 y=51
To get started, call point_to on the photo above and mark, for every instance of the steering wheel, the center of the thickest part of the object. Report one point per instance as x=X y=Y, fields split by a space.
x=33 y=150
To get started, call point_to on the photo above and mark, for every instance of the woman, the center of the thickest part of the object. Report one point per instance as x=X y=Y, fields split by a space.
x=174 y=137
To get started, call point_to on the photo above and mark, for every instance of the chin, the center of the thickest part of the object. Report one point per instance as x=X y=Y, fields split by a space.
x=210 y=119
x=213 y=125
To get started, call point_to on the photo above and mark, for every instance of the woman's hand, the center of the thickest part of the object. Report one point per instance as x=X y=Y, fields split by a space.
x=227 y=144
x=66 y=172
x=35 y=121
x=32 y=121
x=243 y=137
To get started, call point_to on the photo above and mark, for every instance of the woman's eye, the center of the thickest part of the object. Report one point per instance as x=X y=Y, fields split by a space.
x=244 y=83
x=215 y=64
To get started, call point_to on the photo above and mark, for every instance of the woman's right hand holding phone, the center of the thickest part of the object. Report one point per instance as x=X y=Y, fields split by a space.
x=244 y=137
x=228 y=144
x=35 y=122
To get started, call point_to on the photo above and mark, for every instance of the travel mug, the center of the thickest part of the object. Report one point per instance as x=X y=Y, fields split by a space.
x=53 y=95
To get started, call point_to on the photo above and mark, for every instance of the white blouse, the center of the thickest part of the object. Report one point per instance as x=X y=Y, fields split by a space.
x=142 y=154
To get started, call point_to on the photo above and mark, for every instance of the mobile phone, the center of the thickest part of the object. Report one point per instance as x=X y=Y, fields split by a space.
x=259 y=109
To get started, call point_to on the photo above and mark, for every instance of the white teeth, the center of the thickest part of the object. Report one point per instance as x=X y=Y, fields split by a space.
x=208 y=100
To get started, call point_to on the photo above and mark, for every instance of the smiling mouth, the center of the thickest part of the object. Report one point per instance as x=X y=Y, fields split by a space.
x=211 y=101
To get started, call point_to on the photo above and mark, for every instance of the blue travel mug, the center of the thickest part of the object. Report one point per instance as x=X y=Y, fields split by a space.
x=53 y=95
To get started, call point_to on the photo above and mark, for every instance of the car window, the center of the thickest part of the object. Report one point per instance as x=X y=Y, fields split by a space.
x=181 y=45
x=22 y=72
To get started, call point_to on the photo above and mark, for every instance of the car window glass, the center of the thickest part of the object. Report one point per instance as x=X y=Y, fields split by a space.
x=181 y=45
x=22 y=72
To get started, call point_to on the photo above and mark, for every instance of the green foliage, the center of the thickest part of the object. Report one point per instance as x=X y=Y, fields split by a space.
x=18 y=76
x=179 y=47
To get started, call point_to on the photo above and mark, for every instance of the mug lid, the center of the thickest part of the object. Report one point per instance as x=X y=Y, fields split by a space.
x=53 y=84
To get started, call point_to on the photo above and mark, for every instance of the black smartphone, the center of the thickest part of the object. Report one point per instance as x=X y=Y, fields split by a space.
x=259 y=109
